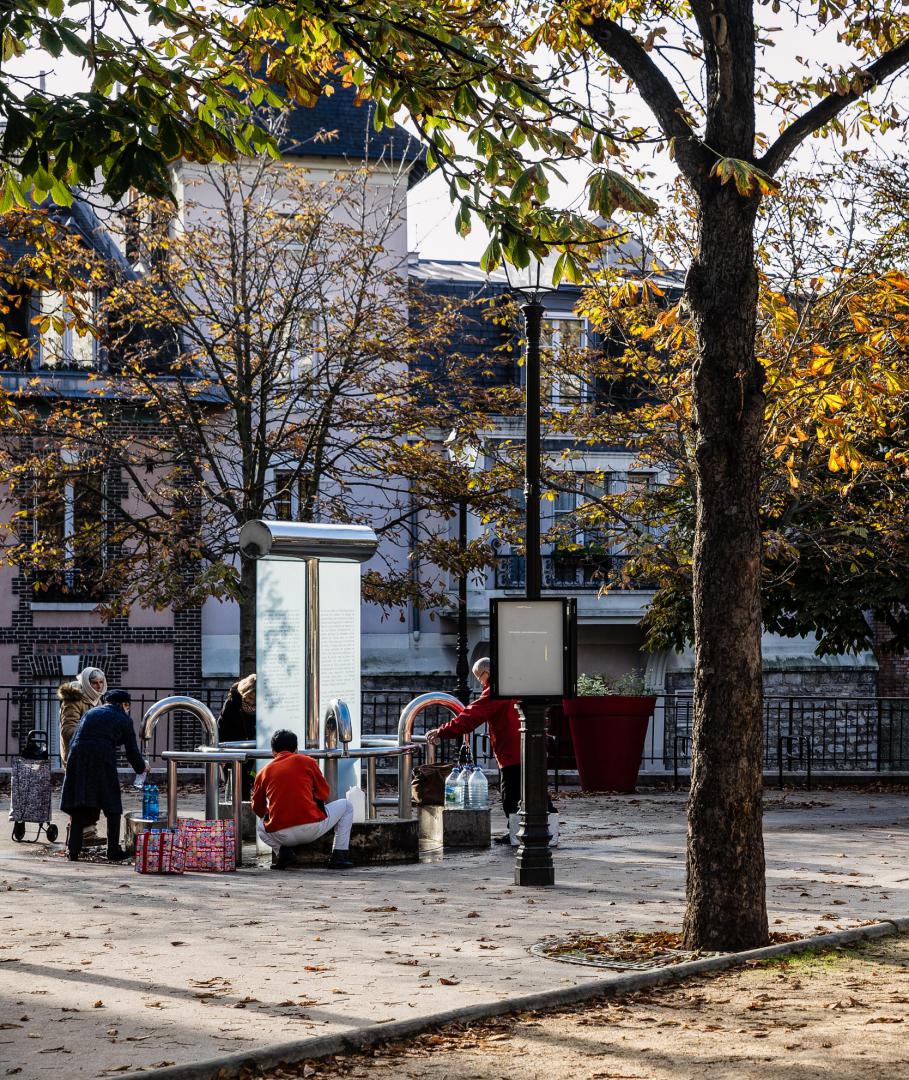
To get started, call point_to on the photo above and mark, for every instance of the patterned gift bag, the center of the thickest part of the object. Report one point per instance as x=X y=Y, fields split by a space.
x=209 y=845
x=160 y=851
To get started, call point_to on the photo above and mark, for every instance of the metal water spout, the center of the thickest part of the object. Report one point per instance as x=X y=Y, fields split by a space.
x=186 y=704
x=405 y=735
x=338 y=728
x=206 y=718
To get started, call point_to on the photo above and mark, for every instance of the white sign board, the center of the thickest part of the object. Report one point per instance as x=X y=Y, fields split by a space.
x=531 y=639
x=280 y=649
x=339 y=652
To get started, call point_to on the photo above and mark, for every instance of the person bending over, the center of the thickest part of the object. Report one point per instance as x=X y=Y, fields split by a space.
x=91 y=784
x=504 y=726
x=288 y=799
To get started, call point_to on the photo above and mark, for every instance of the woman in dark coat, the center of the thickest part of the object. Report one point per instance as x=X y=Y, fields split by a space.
x=91 y=783
x=237 y=723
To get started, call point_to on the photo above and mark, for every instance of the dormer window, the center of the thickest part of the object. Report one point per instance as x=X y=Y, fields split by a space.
x=61 y=345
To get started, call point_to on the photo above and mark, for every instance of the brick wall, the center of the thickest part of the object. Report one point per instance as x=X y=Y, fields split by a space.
x=893 y=668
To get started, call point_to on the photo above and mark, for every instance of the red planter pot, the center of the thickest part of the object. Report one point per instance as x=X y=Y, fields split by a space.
x=608 y=735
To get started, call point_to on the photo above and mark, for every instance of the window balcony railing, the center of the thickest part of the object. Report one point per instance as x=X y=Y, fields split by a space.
x=575 y=570
x=61 y=586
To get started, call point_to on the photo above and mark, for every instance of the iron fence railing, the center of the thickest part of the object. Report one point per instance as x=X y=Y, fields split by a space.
x=25 y=707
x=582 y=570
x=801 y=734
x=37 y=706
x=812 y=734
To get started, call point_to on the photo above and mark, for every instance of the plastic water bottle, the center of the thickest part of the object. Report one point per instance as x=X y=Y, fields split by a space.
x=463 y=795
x=478 y=790
x=356 y=796
x=451 y=788
x=150 y=802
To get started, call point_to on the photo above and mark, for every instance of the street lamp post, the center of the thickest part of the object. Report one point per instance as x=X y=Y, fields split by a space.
x=466 y=456
x=533 y=864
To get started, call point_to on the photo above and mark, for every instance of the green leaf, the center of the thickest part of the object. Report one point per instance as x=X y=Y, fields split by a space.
x=748 y=178
x=610 y=191
x=73 y=42
x=523 y=186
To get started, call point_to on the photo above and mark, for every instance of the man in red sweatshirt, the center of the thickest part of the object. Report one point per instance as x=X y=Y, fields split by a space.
x=504 y=726
x=288 y=798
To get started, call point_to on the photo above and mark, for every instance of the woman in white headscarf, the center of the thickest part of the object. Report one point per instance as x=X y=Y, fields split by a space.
x=76 y=698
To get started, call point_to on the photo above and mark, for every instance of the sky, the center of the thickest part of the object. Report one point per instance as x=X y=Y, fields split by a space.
x=431 y=214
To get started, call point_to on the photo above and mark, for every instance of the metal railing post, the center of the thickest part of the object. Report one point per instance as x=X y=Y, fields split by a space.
x=236 y=807
x=172 y=794
x=371 y=809
x=211 y=792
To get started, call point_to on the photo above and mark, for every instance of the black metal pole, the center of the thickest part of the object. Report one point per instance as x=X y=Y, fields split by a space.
x=461 y=671
x=533 y=316
x=533 y=863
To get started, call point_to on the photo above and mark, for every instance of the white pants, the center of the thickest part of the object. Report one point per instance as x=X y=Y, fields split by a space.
x=340 y=813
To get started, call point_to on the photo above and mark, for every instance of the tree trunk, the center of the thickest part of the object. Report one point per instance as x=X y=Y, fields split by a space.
x=726 y=904
x=247 y=616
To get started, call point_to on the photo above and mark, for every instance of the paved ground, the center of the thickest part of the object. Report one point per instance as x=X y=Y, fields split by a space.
x=118 y=971
x=840 y=1015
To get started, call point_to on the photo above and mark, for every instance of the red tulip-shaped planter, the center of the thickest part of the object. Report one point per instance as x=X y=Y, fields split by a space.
x=608 y=734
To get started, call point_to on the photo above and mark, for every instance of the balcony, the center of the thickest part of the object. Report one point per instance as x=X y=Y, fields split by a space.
x=69 y=586
x=582 y=570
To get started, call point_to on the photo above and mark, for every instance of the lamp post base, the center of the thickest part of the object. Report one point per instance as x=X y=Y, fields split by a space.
x=533 y=864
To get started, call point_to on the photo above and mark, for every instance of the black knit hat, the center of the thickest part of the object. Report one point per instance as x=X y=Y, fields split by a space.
x=117 y=697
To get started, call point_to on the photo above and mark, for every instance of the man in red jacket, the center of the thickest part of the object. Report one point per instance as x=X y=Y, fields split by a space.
x=504 y=726
x=288 y=798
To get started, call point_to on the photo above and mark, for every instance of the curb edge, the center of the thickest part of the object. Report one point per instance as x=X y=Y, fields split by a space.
x=299 y=1050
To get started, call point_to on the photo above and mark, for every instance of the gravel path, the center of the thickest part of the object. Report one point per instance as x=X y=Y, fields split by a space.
x=843 y=1014
x=102 y=970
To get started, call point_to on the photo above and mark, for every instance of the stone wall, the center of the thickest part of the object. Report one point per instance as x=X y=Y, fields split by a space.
x=832 y=712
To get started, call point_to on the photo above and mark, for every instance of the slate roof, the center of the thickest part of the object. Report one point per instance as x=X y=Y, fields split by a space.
x=81 y=219
x=355 y=139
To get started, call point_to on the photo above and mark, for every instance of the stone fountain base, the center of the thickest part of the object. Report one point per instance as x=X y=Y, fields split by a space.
x=372 y=843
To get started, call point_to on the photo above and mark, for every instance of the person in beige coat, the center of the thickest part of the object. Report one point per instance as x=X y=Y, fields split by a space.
x=76 y=698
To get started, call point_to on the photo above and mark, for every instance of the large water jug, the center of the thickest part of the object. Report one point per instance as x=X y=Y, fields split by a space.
x=356 y=796
x=463 y=791
x=478 y=790
x=451 y=788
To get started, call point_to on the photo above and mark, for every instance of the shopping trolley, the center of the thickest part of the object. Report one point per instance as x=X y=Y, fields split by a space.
x=31 y=790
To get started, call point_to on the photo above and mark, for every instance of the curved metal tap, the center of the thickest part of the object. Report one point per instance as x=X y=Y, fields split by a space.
x=338 y=726
x=206 y=717
x=187 y=704
x=405 y=735
x=420 y=704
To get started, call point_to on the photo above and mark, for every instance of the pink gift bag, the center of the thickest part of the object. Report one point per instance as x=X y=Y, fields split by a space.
x=208 y=845
x=159 y=851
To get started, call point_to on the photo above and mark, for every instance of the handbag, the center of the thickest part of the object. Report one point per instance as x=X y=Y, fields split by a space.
x=427 y=786
x=159 y=851
x=208 y=845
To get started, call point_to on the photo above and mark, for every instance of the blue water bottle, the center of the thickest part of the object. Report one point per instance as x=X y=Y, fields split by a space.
x=150 y=802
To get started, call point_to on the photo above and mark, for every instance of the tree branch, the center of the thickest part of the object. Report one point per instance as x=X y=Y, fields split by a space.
x=655 y=88
x=827 y=109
